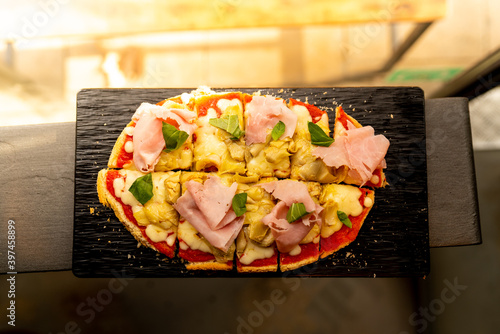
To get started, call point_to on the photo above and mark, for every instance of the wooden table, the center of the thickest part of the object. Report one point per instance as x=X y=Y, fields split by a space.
x=37 y=186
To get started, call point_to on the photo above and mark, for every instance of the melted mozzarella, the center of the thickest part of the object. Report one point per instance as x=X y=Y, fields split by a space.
x=129 y=146
x=189 y=235
x=156 y=233
x=129 y=130
x=296 y=251
x=254 y=252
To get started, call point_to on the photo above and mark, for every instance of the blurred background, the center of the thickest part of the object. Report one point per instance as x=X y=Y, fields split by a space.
x=50 y=49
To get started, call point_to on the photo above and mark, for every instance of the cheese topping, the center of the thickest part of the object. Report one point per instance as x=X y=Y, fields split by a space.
x=129 y=146
x=296 y=251
x=368 y=202
x=186 y=97
x=303 y=117
x=129 y=130
x=156 y=233
x=189 y=235
x=254 y=252
x=337 y=197
x=121 y=188
x=223 y=104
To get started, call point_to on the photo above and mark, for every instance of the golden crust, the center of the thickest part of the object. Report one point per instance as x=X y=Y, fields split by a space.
x=209 y=265
x=298 y=264
x=117 y=148
x=261 y=269
x=107 y=199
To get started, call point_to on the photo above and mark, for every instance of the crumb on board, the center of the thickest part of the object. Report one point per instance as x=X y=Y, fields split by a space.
x=392 y=116
x=280 y=91
x=92 y=211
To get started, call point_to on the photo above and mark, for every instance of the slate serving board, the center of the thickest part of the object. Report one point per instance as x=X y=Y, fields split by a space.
x=393 y=241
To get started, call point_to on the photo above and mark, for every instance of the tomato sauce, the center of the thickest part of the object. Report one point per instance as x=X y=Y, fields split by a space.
x=207 y=102
x=306 y=251
x=162 y=247
x=314 y=111
x=273 y=260
x=194 y=255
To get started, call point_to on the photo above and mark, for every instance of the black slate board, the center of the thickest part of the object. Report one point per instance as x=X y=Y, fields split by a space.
x=392 y=242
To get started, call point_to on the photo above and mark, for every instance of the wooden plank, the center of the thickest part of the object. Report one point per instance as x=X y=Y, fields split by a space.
x=453 y=203
x=393 y=241
x=133 y=17
x=36 y=191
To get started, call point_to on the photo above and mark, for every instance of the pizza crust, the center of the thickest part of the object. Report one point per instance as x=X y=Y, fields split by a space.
x=107 y=199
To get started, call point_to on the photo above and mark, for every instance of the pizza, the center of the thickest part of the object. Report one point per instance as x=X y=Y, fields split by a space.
x=245 y=182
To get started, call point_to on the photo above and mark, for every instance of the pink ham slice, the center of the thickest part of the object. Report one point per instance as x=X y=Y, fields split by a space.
x=264 y=112
x=148 y=136
x=288 y=235
x=359 y=149
x=215 y=200
x=209 y=215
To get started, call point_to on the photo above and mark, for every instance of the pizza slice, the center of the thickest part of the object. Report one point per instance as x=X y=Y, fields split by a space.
x=306 y=166
x=153 y=222
x=208 y=225
x=295 y=221
x=308 y=249
x=269 y=128
x=355 y=147
x=142 y=143
x=218 y=140
x=345 y=209
x=255 y=246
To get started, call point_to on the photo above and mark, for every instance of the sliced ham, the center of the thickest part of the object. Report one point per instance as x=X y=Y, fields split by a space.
x=214 y=200
x=148 y=138
x=210 y=215
x=183 y=117
x=148 y=142
x=288 y=235
x=357 y=148
x=263 y=113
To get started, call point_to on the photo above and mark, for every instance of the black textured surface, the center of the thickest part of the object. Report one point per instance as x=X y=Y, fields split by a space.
x=392 y=242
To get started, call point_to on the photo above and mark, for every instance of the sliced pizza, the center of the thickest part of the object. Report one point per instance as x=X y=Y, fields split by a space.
x=219 y=144
x=255 y=246
x=295 y=222
x=269 y=129
x=208 y=225
x=355 y=147
x=242 y=181
x=306 y=166
x=151 y=141
x=152 y=220
x=345 y=209
x=308 y=249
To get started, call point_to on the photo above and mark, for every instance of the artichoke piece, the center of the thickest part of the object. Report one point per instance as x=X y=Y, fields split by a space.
x=161 y=212
x=140 y=216
x=182 y=158
x=259 y=204
x=277 y=151
x=236 y=151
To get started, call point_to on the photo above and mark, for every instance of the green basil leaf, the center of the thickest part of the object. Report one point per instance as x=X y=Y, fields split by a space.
x=173 y=138
x=296 y=211
x=318 y=136
x=240 y=204
x=344 y=219
x=142 y=188
x=221 y=123
x=230 y=124
x=278 y=130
